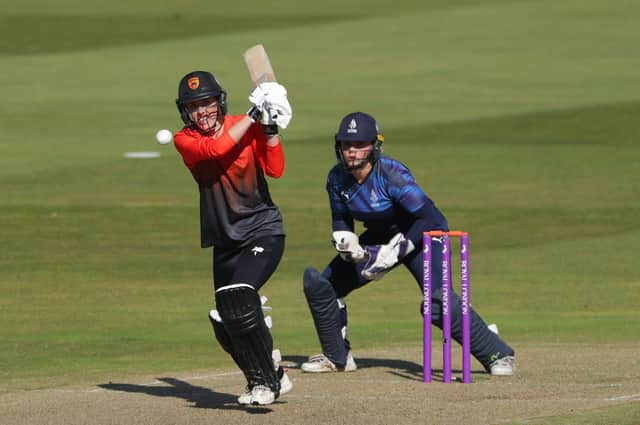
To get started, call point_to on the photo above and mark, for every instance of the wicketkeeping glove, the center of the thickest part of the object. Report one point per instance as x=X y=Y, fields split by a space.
x=383 y=257
x=348 y=246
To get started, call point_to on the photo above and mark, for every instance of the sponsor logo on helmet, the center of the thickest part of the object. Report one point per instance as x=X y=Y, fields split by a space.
x=353 y=126
x=193 y=83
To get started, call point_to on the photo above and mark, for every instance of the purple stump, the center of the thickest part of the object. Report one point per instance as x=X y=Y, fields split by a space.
x=446 y=309
x=426 y=308
x=465 y=294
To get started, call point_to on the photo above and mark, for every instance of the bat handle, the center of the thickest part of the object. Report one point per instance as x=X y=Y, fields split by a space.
x=266 y=118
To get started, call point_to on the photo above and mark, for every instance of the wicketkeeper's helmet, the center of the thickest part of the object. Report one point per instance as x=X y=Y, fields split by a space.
x=199 y=85
x=359 y=127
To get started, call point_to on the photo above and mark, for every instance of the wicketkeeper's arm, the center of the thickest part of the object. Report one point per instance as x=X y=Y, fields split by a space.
x=423 y=222
x=342 y=221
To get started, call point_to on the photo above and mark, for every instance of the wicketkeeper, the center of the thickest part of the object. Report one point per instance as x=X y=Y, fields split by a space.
x=380 y=192
x=228 y=156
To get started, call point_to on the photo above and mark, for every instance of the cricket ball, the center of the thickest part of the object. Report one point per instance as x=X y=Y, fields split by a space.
x=164 y=136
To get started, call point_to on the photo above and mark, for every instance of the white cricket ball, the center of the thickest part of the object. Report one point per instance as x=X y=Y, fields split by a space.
x=164 y=136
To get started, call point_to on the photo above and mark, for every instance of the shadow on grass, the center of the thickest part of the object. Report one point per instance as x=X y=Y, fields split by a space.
x=201 y=397
x=205 y=398
x=400 y=368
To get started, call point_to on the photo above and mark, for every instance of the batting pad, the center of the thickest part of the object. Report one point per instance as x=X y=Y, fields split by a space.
x=329 y=316
x=221 y=333
x=241 y=313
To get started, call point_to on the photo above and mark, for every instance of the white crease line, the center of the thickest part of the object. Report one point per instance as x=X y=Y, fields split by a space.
x=624 y=397
x=196 y=377
x=215 y=375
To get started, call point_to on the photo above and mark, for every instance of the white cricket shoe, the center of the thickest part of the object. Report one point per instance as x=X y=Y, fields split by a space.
x=285 y=387
x=320 y=364
x=245 y=397
x=504 y=366
x=285 y=383
x=261 y=395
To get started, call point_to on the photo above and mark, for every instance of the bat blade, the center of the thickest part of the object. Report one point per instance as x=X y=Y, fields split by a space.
x=258 y=64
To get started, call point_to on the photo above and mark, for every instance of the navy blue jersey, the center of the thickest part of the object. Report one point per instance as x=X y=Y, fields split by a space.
x=387 y=202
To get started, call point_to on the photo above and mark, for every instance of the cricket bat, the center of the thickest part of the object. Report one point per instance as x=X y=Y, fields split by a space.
x=258 y=65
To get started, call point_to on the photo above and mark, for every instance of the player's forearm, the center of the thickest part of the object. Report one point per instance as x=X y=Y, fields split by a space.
x=341 y=221
x=198 y=148
x=273 y=141
x=274 y=160
x=424 y=221
x=239 y=128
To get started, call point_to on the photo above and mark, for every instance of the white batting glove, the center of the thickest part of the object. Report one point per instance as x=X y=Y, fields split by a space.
x=383 y=257
x=258 y=98
x=258 y=103
x=282 y=119
x=348 y=246
x=277 y=103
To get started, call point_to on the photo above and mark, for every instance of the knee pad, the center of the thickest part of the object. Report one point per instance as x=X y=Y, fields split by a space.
x=239 y=307
x=315 y=285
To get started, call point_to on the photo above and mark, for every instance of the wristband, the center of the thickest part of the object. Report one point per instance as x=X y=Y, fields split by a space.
x=270 y=129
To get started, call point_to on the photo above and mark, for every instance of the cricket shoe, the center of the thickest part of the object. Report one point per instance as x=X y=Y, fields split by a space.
x=504 y=366
x=285 y=382
x=245 y=397
x=283 y=376
x=285 y=387
x=320 y=364
x=261 y=395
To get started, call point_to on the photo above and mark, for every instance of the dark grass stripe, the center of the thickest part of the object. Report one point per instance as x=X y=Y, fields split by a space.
x=63 y=33
x=49 y=32
x=605 y=124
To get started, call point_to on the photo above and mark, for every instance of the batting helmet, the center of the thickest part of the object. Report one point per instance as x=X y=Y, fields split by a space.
x=199 y=85
x=359 y=127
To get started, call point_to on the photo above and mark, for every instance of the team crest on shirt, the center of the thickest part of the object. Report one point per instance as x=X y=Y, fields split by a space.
x=374 y=199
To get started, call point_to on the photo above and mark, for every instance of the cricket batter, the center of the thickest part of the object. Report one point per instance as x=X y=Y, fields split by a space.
x=228 y=156
x=381 y=193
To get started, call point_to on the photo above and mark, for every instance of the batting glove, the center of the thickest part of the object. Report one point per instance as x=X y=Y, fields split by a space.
x=277 y=103
x=258 y=101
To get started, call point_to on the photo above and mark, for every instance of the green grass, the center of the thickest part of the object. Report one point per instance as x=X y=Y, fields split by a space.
x=626 y=414
x=517 y=118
